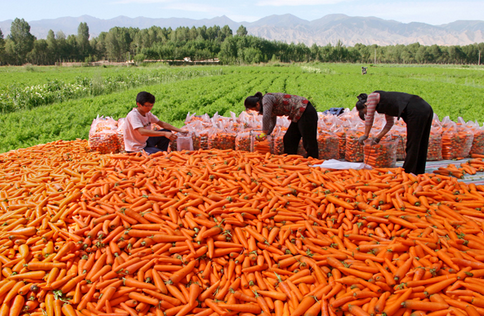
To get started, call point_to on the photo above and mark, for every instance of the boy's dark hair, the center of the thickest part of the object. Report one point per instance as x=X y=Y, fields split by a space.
x=144 y=97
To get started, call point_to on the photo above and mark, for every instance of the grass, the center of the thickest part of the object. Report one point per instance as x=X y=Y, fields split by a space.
x=452 y=91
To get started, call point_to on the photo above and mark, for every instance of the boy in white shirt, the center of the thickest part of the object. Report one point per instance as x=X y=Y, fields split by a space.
x=138 y=134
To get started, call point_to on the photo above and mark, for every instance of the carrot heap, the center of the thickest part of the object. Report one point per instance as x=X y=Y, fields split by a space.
x=223 y=232
x=472 y=166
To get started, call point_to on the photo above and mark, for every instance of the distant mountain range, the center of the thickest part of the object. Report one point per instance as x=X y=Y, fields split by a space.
x=289 y=28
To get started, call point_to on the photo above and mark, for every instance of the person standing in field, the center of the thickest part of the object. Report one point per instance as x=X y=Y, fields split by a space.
x=139 y=136
x=414 y=111
x=303 y=116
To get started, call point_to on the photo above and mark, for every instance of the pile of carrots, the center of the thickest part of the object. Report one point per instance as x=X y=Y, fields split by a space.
x=471 y=167
x=223 y=232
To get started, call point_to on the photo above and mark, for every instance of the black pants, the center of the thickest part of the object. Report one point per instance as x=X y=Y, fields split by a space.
x=307 y=128
x=418 y=115
x=155 y=144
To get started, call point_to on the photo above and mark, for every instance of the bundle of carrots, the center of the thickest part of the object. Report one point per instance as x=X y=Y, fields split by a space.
x=456 y=144
x=381 y=155
x=341 y=144
x=263 y=146
x=222 y=232
x=353 y=149
x=471 y=166
x=328 y=145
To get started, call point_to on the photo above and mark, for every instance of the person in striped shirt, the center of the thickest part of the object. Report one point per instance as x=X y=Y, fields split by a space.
x=303 y=116
x=414 y=111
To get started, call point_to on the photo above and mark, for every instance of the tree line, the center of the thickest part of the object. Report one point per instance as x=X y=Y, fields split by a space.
x=156 y=43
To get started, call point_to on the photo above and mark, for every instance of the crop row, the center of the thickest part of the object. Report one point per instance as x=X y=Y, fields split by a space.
x=210 y=90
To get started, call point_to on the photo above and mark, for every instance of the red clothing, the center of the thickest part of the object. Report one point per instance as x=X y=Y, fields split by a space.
x=281 y=104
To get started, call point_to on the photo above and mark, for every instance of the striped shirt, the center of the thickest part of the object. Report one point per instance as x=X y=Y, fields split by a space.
x=371 y=103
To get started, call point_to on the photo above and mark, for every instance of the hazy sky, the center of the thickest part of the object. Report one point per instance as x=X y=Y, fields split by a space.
x=427 y=11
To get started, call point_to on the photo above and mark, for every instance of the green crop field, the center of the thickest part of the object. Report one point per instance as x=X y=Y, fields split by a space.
x=43 y=104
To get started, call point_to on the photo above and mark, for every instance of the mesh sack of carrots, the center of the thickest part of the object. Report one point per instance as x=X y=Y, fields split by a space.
x=261 y=146
x=192 y=118
x=400 y=131
x=106 y=141
x=199 y=135
x=184 y=142
x=102 y=123
x=435 y=140
x=353 y=149
x=341 y=144
x=243 y=140
x=383 y=154
x=224 y=232
x=456 y=140
x=401 y=140
x=221 y=139
x=339 y=128
x=435 y=146
x=104 y=135
x=328 y=145
x=278 y=141
x=478 y=140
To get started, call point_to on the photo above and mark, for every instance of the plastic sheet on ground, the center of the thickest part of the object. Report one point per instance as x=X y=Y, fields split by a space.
x=338 y=164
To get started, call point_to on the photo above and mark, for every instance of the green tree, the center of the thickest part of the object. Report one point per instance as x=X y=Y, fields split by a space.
x=117 y=43
x=422 y=56
x=192 y=33
x=99 y=46
x=83 y=40
x=435 y=53
x=315 y=56
x=212 y=32
x=225 y=32
x=72 y=50
x=455 y=54
x=62 y=46
x=2 y=48
x=480 y=52
x=22 y=41
x=39 y=55
x=52 y=47
x=228 y=51
x=242 y=31
x=202 y=32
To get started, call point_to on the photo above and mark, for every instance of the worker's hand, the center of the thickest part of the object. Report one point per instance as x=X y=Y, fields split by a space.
x=261 y=137
x=373 y=141
x=170 y=136
x=362 y=139
x=183 y=131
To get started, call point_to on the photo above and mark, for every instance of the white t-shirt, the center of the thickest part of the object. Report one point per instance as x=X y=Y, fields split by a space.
x=133 y=140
